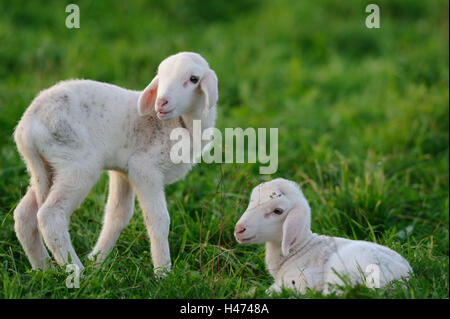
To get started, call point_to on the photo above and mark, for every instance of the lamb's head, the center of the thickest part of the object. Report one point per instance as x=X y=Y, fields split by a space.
x=277 y=212
x=184 y=83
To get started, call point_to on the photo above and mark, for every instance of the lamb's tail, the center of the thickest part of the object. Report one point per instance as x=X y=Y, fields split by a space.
x=40 y=170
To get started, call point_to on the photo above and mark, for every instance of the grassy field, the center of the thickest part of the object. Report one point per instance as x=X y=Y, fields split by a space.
x=363 y=119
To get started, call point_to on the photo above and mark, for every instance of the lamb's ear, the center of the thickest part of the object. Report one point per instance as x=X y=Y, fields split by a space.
x=208 y=84
x=147 y=98
x=292 y=227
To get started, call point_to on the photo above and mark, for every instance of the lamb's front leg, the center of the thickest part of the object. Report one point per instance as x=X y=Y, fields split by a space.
x=300 y=280
x=289 y=282
x=157 y=222
x=273 y=290
x=150 y=192
x=119 y=209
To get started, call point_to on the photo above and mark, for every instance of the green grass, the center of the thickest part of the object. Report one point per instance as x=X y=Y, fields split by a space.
x=363 y=127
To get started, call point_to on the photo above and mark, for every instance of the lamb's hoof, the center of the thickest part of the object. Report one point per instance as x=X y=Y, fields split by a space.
x=273 y=290
x=95 y=259
x=162 y=272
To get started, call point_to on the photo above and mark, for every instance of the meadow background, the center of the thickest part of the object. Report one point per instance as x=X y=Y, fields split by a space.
x=363 y=118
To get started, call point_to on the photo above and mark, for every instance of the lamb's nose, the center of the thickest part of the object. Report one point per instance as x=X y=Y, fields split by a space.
x=161 y=102
x=239 y=229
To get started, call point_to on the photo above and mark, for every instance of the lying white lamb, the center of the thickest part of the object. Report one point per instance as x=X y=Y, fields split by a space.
x=279 y=215
x=74 y=130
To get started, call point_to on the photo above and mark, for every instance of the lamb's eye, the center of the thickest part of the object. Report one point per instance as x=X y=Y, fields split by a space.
x=278 y=211
x=194 y=79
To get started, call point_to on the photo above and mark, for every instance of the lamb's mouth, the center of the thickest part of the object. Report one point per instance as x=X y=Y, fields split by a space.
x=163 y=114
x=247 y=239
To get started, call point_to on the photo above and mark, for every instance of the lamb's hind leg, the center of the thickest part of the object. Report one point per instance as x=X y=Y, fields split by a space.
x=69 y=189
x=119 y=209
x=25 y=225
x=25 y=214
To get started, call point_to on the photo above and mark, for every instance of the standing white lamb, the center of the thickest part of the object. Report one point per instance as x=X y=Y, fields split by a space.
x=279 y=215
x=74 y=130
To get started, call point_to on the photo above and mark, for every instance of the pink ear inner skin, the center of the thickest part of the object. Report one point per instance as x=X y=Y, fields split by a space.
x=148 y=101
x=151 y=99
x=148 y=97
